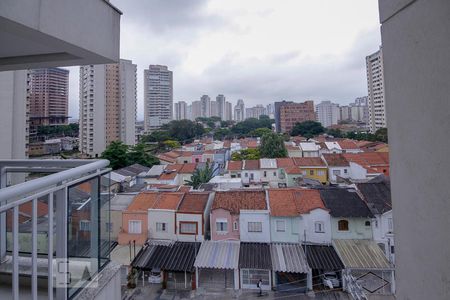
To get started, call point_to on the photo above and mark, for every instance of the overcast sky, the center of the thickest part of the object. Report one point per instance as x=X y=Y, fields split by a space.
x=258 y=50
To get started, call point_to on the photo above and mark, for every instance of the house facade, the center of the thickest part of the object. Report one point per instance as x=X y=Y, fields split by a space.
x=254 y=226
x=338 y=167
x=192 y=217
x=161 y=216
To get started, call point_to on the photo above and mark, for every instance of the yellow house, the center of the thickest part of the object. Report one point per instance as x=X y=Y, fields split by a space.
x=307 y=167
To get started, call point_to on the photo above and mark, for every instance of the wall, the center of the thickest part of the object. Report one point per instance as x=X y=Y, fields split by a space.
x=269 y=175
x=356 y=229
x=256 y=176
x=161 y=216
x=254 y=216
x=224 y=214
x=125 y=236
x=291 y=235
x=116 y=220
x=307 y=225
x=417 y=73
x=190 y=218
x=332 y=177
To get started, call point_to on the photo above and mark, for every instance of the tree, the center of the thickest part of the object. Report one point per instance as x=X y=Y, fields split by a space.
x=246 y=154
x=335 y=132
x=221 y=133
x=307 y=129
x=381 y=135
x=116 y=153
x=272 y=146
x=171 y=144
x=140 y=155
x=260 y=131
x=201 y=175
x=250 y=124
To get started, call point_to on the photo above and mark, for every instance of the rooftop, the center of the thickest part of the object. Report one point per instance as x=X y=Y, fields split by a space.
x=234 y=201
x=344 y=202
x=194 y=202
x=335 y=160
x=309 y=162
x=251 y=164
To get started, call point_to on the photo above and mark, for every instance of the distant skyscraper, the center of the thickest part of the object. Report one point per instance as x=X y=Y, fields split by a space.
x=228 y=111
x=359 y=111
x=214 y=109
x=196 y=110
x=107 y=106
x=239 y=111
x=180 y=110
x=205 y=102
x=270 y=110
x=49 y=97
x=328 y=113
x=14 y=114
x=220 y=99
x=255 y=112
x=158 y=96
x=375 y=86
x=345 y=113
x=287 y=114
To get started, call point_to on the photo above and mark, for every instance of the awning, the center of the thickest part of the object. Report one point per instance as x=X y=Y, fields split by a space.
x=288 y=258
x=218 y=255
x=361 y=254
x=142 y=258
x=146 y=255
x=323 y=258
x=255 y=256
x=178 y=257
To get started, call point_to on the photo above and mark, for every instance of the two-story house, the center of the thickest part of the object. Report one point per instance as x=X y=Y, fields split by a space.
x=338 y=166
x=251 y=174
x=309 y=149
x=269 y=172
x=162 y=214
x=306 y=167
x=377 y=194
x=350 y=216
x=234 y=168
x=192 y=217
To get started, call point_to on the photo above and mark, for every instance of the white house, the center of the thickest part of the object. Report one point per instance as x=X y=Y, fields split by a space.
x=332 y=147
x=251 y=173
x=269 y=171
x=254 y=226
x=337 y=165
x=192 y=217
x=161 y=216
x=226 y=182
x=309 y=149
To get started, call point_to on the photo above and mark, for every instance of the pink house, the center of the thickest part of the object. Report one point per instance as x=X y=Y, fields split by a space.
x=197 y=156
x=226 y=209
x=135 y=219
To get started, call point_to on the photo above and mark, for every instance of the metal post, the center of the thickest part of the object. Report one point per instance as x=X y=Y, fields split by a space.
x=50 y=247
x=95 y=235
x=2 y=218
x=15 y=271
x=61 y=246
x=34 y=250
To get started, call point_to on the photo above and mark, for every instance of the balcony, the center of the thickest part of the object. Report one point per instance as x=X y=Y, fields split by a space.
x=54 y=230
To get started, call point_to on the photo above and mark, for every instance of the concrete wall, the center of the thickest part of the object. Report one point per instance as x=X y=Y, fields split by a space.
x=332 y=178
x=291 y=233
x=161 y=216
x=416 y=46
x=357 y=229
x=125 y=236
x=247 y=216
x=224 y=214
x=198 y=218
x=307 y=225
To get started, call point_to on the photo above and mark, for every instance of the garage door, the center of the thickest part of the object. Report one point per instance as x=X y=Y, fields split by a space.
x=216 y=278
x=250 y=278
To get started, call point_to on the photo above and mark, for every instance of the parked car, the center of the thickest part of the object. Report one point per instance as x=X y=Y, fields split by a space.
x=331 y=280
x=155 y=276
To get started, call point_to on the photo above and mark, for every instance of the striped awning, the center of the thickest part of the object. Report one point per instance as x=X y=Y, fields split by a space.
x=361 y=254
x=218 y=255
x=288 y=258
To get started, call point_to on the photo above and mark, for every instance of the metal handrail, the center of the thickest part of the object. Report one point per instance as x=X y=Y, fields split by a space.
x=18 y=190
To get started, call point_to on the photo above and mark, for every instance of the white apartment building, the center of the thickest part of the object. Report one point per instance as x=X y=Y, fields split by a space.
x=328 y=113
x=181 y=110
x=375 y=86
x=228 y=111
x=158 y=97
x=205 y=106
x=107 y=106
x=255 y=112
x=239 y=111
x=221 y=106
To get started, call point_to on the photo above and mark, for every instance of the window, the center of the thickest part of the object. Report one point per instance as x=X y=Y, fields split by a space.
x=134 y=226
x=85 y=225
x=265 y=173
x=311 y=172
x=188 y=228
x=392 y=249
x=221 y=226
x=337 y=172
x=161 y=227
x=343 y=225
x=367 y=223
x=321 y=173
x=281 y=226
x=233 y=176
x=246 y=174
x=239 y=175
x=275 y=174
x=319 y=227
x=390 y=225
x=376 y=224
x=345 y=171
x=254 y=227
x=235 y=225
x=304 y=172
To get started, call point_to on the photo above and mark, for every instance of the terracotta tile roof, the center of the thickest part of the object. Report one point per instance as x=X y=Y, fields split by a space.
x=188 y=168
x=293 y=202
x=292 y=148
x=335 y=160
x=209 y=152
x=184 y=188
x=168 y=176
x=309 y=162
x=143 y=201
x=252 y=144
x=168 y=200
x=166 y=158
x=307 y=200
x=293 y=170
x=348 y=144
x=234 y=201
x=285 y=162
x=373 y=162
x=194 y=202
x=234 y=165
x=227 y=144
x=251 y=164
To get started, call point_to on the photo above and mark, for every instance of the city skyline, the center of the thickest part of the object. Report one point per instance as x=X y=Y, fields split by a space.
x=227 y=52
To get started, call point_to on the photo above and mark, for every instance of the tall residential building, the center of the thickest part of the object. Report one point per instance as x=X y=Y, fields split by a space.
x=107 y=106
x=270 y=110
x=49 y=97
x=328 y=113
x=278 y=106
x=158 y=97
x=205 y=108
x=181 y=110
x=228 y=111
x=290 y=113
x=375 y=85
x=255 y=112
x=14 y=114
x=214 y=111
x=196 y=110
x=239 y=111
x=344 y=112
x=221 y=106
